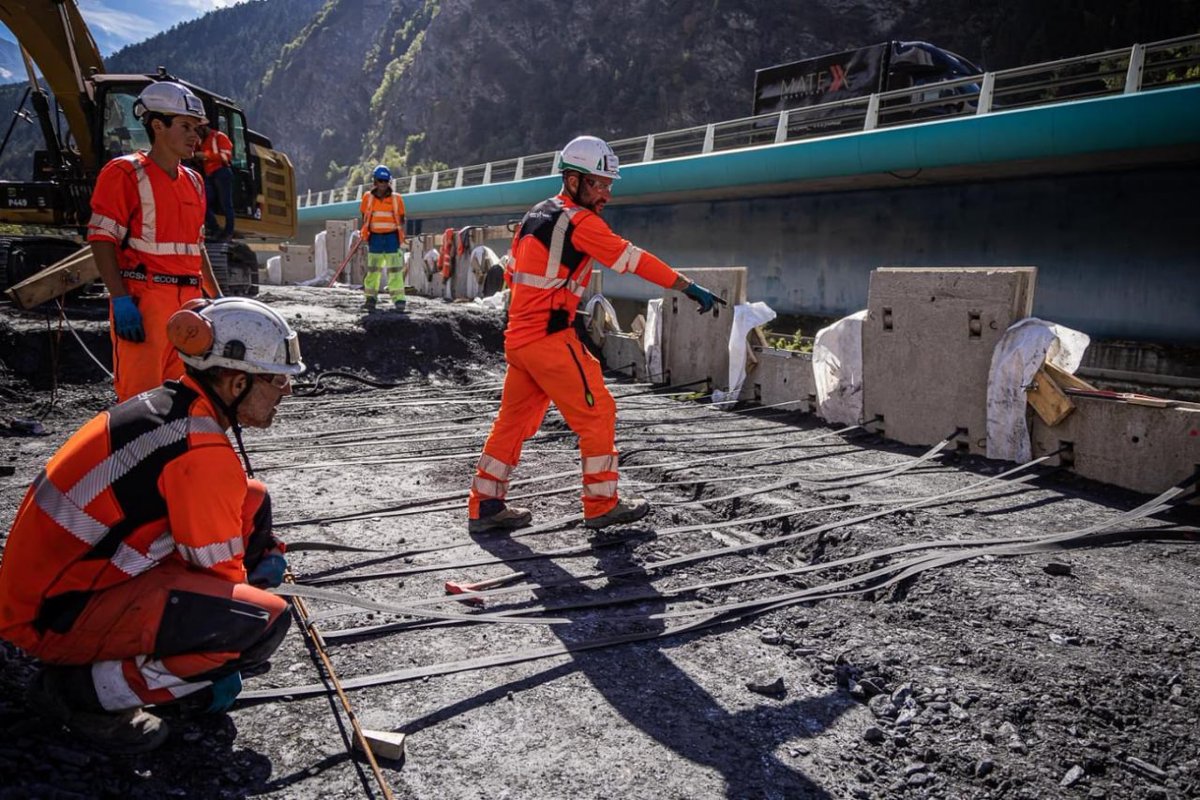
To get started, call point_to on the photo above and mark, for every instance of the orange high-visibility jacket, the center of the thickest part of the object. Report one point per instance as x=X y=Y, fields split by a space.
x=148 y=480
x=217 y=151
x=154 y=219
x=382 y=214
x=553 y=250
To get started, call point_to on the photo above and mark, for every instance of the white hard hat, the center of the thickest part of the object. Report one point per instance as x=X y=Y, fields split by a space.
x=167 y=97
x=237 y=333
x=591 y=156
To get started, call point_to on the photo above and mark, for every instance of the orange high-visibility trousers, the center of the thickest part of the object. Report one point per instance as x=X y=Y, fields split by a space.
x=172 y=630
x=558 y=369
x=141 y=366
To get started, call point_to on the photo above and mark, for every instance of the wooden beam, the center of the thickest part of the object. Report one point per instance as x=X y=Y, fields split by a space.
x=77 y=269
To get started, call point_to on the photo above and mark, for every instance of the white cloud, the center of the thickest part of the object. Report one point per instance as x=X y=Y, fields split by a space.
x=201 y=6
x=113 y=26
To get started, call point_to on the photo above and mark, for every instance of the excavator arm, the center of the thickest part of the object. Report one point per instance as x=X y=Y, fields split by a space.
x=55 y=36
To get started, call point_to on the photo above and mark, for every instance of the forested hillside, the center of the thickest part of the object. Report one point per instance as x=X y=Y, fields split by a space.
x=342 y=84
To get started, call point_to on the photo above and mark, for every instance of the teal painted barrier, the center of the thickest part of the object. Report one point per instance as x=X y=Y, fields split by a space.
x=1143 y=120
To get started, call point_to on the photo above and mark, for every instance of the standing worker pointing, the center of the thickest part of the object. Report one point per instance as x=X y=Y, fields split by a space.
x=383 y=230
x=147 y=234
x=553 y=250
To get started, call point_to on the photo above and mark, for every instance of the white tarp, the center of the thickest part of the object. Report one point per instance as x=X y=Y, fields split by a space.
x=275 y=270
x=652 y=341
x=746 y=317
x=837 y=370
x=606 y=308
x=1019 y=354
x=320 y=257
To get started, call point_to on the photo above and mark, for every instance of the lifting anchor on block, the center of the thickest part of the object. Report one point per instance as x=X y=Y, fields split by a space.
x=453 y=587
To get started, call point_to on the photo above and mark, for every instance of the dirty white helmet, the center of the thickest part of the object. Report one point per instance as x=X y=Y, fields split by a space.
x=591 y=156
x=170 y=98
x=237 y=333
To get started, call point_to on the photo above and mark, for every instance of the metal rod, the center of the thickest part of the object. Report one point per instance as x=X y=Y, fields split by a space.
x=314 y=636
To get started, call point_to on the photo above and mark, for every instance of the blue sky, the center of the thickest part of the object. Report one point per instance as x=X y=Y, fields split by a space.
x=116 y=23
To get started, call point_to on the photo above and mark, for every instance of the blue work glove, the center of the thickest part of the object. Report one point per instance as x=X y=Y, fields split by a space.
x=268 y=573
x=127 y=319
x=224 y=692
x=703 y=296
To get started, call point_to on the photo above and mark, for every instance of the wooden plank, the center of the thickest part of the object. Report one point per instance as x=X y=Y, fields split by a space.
x=1047 y=399
x=1066 y=380
x=77 y=269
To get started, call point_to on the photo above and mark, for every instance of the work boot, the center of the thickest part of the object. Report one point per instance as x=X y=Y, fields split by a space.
x=623 y=513
x=125 y=732
x=398 y=306
x=370 y=303
x=506 y=519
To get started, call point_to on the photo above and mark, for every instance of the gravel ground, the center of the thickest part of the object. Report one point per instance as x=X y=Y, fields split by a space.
x=1067 y=674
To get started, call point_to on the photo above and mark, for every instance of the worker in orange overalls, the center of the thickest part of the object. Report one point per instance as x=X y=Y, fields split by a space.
x=217 y=153
x=553 y=252
x=136 y=564
x=383 y=230
x=146 y=233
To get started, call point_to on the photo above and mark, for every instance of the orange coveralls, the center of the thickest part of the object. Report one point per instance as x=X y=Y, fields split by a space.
x=127 y=556
x=553 y=252
x=157 y=223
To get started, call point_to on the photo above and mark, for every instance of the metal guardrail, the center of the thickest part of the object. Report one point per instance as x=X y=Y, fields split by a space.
x=1138 y=68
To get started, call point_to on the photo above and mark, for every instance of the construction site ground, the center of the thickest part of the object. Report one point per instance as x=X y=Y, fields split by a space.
x=1056 y=674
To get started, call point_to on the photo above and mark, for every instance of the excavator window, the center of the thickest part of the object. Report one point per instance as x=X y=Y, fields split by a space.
x=122 y=133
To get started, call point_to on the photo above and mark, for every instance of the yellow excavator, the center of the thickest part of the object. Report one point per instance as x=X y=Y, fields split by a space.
x=87 y=119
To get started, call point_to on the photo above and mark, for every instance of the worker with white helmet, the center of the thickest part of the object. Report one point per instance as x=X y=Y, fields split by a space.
x=146 y=234
x=554 y=249
x=136 y=566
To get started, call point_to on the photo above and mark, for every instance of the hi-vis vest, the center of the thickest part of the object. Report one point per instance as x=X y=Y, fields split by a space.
x=96 y=517
x=383 y=214
x=153 y=219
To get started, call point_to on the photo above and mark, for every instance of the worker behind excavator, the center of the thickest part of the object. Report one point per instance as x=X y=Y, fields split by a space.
x=554 y=249
x=135 y=568
x=146 y=234
x=216 y=150
x=383 y=230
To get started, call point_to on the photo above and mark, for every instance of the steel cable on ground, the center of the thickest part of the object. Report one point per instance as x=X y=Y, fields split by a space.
x=581 y=550
x=651 y=593
x=442 y=498
x=888 y=577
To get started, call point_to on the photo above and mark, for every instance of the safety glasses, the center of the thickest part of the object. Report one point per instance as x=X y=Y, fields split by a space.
x=598 y=184
x=278 y=381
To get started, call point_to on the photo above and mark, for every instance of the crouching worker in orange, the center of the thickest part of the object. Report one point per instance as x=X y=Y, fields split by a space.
x=146 y=234
x=136 y=565
x=553 y=252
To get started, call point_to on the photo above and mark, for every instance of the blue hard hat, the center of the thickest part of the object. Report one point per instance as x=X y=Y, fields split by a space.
x=382 y=173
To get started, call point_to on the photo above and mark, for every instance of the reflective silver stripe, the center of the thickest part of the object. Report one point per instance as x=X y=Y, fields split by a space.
x=146 y=198
x=489 y=488
x=164 y=248
x=594 y=464
x=66 y=513
x=121 y=461
x=211 y=554
x=557 y=240
x=112 y=690
x=158 y=677
x=108 y=225
x=628 y=261
x=66 y=508
x=537 y=280
x=148 y=242
x=494 y=466
x=601 y=489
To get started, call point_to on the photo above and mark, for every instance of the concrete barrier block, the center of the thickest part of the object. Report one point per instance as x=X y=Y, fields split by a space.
x=623 y=353
x=337 y=237
x=696 y=346
x=927 y=348
x=1136 y=447
x=781 y=376
x=296 y=263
